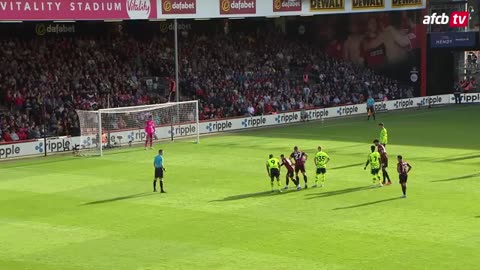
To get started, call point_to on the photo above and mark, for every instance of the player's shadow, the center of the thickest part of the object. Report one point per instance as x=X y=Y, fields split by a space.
x=367 y=204
x=336 y=192
x=459 y=158
x=250 y=195
x=463 y=177
x=122 y=198
x=347 y=166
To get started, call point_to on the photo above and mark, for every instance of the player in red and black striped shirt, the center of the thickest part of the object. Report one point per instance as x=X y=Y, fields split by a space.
x=384 y=161
x=299 y=158
x=403 y=168
x=289 y=166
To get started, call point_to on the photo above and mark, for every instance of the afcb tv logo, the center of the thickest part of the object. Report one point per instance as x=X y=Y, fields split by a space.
x=456 y=19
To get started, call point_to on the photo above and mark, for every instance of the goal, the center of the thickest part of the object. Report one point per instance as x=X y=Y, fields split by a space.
x=112 y=128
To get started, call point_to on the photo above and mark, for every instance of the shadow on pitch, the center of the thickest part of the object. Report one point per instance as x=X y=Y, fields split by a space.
x=116 y=199
x=458 y=178
x=336 y=192
x=347 y=166
x=459 y=158
x=250 y=195
x=367 y=204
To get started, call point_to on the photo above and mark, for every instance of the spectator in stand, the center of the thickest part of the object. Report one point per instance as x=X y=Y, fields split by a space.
x=237 y=75
x=14 y=135
x=6 y=136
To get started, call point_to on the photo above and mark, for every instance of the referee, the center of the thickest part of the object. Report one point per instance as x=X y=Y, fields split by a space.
x=456 y=93
x=159 y=169
x=370 y=107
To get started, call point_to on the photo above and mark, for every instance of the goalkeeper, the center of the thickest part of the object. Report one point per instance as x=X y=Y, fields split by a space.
x=150 y=131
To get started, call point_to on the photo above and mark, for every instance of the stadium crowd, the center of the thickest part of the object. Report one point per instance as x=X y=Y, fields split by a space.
x=232 y=76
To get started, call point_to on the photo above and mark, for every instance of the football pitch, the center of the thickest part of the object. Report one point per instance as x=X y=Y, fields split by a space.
x=63 y=212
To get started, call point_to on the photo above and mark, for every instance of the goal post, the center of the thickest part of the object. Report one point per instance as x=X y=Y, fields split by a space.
x=124 y=126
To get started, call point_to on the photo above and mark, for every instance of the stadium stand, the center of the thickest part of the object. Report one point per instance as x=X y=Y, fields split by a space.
x=53 y=76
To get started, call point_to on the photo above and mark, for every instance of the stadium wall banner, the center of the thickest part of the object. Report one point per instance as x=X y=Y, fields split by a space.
x=42 y=29
x=55 y=10
x=175 y=7
x=48 y=10
x=287 y=5
x=127 y=137
x=401 y=4
x=452 y=39
x=274 y=8
x=467 y=98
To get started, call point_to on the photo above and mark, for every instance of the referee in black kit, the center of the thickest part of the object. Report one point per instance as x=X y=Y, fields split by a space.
x=159 y=169
x=457 y=93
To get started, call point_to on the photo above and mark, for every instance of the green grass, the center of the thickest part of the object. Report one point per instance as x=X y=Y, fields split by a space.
x=99 y=213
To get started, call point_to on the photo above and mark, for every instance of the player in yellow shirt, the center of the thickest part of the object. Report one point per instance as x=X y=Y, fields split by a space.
x=273 y=170
x=383 y=134
x=374 y=161
x=321 y=160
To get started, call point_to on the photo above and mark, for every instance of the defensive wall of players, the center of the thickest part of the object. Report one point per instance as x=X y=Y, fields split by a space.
x=39 y=10
x=122 y=138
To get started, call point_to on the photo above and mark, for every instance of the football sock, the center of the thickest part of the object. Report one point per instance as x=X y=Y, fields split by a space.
x=271 y=184
x=374 y=180
x=373 y=116
x=161 y=185
x=388 y=176
x=404 y=190
x=317 y=178
x=278 y=183
x=287 y=180
x=323 y=178
x=154 y=184
x=296 y=182
x=298 y=179
x=305 y=178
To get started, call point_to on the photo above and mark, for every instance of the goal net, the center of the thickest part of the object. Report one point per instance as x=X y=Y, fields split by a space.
x=125 y=126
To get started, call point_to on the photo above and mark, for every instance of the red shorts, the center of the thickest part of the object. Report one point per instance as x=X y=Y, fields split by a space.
x=300 y=168
x=384 y=162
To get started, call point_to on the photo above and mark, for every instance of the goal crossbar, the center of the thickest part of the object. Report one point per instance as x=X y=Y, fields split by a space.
x=106 y=128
